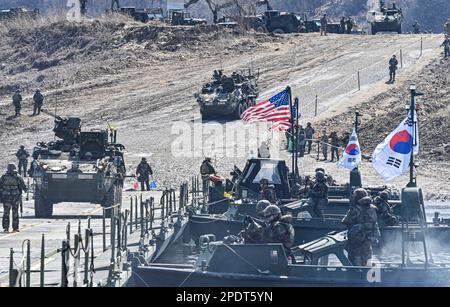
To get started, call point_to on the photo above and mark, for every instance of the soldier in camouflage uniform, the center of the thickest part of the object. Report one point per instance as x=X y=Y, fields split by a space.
x=144 y=171
x=22 y=155
x=363 y=230
x=318 y=195
x=268 y=191
x=324 y=145
x=206 y=169
x=11 y=188
x=309 y=132
x=276 y=229
x=386 y=215
x=38 y=102
x=17 y=102
x=335 y=146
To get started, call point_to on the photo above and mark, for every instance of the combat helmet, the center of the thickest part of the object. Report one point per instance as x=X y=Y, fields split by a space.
x=261 y=205
x=271 y=213
x=11 y=167
x=359 y=193
x=365 y=201
x=320 y=176
x=384 y=195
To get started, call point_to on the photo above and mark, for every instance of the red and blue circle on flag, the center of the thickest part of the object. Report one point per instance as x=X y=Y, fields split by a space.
x=352 y=150
x=401 y=142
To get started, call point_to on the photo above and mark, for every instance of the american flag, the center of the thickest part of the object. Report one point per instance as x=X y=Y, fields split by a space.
x=275 y=110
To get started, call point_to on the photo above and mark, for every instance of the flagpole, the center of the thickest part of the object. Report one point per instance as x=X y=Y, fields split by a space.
x=289 y=91
x=296 y=136
x=412 y=108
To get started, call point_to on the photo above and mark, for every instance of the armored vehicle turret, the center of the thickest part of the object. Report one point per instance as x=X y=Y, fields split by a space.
x=385 y=19
x=228 y=95
x=80 y=166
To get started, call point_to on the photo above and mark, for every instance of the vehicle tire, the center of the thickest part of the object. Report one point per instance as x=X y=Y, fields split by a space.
x=42 y=208
x=278 y=31
x=399 y=31
x=111 y=199
x=239 y=110
x=261 y=29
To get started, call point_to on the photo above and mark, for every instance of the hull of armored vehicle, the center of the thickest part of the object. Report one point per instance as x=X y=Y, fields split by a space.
x=266 y=265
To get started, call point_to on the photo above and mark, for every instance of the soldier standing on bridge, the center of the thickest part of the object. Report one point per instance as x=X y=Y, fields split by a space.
x=323 y=25
x=17 y=102
x=115 y=2
x=38 y=102
x=393 y=62
x=446 y=45
x=11 y=188
x=144 y=171
x=22 y=155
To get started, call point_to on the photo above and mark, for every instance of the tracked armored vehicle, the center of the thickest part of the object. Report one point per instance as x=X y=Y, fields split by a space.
x=80 y=166
x=228 y=95
x=385 y=20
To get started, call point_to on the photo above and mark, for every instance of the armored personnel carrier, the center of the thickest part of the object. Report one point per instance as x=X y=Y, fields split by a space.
x=228 y=95
x=385 y=20
x=80 y=166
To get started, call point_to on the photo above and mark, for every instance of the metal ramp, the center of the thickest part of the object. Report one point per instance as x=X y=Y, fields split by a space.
x=331 y=244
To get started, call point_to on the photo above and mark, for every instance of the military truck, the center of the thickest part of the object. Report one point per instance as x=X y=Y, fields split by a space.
x=181 y=18
x=143 y=15
x=80 y=166
x=385 y=20
x=274 y=21
x=228 y=95
x=18 y=12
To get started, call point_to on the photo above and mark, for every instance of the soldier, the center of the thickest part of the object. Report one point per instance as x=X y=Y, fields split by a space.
x=309 y=132
x=345 y=138
x=276 y=229
x=11 y=188
x=261 y=205
x=268 y=191
x=357 y=195
x=446 y=45
x=264 y=151
x=363 y=231
x=324 y=145
x=83 y=8
x=349 y=25
x=115 y=2
x=342 y=22
x=206 y=169
x=318 y=195
x=144 y=171
x=334 y=146
x=323 y=25
x=17 y=102
x=38 y=102
x=301 y=142
x=385 y=213
x=416 y=27
x=392 y=68
x=22 y=155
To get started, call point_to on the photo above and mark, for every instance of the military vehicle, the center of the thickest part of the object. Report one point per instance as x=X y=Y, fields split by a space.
x=80 y=166
x=228 y=95
x=18 y=12
x=181 y=18
x=385 y=20
x=143 y=15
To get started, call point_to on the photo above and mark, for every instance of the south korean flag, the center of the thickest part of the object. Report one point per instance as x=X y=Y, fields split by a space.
x=352 y=154
x=391 y=158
